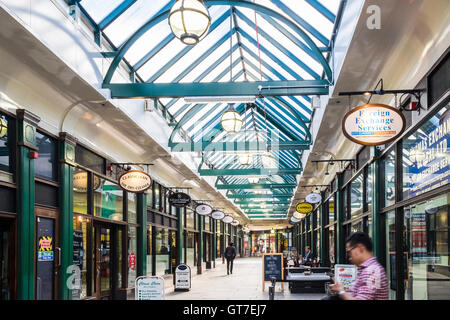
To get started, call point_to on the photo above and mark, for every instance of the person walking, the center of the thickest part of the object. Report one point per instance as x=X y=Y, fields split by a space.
x=230 y=254
x=371 y=281
x=309 y=256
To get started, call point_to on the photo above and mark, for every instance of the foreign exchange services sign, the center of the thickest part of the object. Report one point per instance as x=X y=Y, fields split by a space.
x=135 y=181
x=373 y=124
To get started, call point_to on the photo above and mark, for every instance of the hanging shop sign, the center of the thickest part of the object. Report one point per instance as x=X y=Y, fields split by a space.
x=80 y=182
x=227 y=219
x=179 y=199
x=135 y=181
x=217 y=215
x=313 y=198
x=298 y=215
x=373 y=124
x=203 y=209
x=294 y=219
x=304 y=207
x=235 y=223
x=149 y=288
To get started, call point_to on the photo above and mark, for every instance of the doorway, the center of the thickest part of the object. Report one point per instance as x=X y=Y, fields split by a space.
x=7 y=260
x=48 y=257
x=107 y=259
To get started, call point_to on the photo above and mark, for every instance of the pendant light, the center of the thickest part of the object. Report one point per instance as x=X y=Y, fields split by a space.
x=189 y=21
x=231 y=120
x=245 y=159
x=254 y=180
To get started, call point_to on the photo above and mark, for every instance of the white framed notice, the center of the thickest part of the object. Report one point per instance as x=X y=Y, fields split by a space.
x=149 y=288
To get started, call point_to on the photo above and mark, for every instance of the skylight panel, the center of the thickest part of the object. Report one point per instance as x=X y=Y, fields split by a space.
x=99 y=9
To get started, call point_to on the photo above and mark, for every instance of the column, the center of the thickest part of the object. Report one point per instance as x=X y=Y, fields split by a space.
x=180 y=238
x=340 y=245
x=214 y=242
x=66 y=169
x=200 y=244
x=322 y=230
x=376 y=175
x=26 y=141
x=141 y=213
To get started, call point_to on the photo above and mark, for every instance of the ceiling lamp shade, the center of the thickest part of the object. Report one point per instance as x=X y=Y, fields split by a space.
x=245 y=159
x=268 y=160
x=231 y=121
x=189 y=21
x=253 y=180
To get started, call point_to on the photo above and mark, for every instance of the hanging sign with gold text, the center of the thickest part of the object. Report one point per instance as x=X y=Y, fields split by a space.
x=135 y=181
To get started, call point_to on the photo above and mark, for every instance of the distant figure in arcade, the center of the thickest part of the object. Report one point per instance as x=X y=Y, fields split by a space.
x=230 y=254
x=309 y=256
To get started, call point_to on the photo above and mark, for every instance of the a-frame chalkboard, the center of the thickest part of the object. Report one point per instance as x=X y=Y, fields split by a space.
x=272 y=265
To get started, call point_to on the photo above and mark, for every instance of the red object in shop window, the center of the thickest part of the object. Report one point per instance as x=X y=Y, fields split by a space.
x=132 y=261
x=33 y=155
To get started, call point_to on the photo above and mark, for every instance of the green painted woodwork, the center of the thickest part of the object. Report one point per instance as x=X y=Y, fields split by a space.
x=246 y=172
x=214 y=240
x=201 y=240
x=180 y=90
x=180 y=238
x=26 y=129
x=141 y=261
x=255 y=186
x=340 y=245
x=208 y=146
x=376 y=219
x=259 y=196
x=322 y=231
x=66 y=171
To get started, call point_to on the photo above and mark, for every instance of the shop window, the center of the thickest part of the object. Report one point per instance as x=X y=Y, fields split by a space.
x=80 y=259
x=207 y=223
x=347 y=175
x=331 y=209
x=8 y=199
x=427 y=271
x=46 y=164
x=388 y=183
x=108 y=200
x=317 y=218
x=132 y=254
x=157 y=196
x=356 y=196
x=190 y=249
x=190 y=222
x=150 y=197
x=162 y=251
x=426 y=154
x=7 y=142
x=362 y=157
x=345 y=203
x=369 y=188
x=80 y=187
x=46 y=195
x=89 y=159
x=390 y=253
x=439 y=80
x=132 y=207
x=149 y=251
x=331 y=245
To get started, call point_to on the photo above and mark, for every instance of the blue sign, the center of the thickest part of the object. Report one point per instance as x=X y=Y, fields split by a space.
x=45 y=256
x=426 y=155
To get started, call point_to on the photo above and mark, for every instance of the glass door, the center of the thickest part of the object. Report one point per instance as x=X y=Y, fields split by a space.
x=6 y=260
x=102 y=261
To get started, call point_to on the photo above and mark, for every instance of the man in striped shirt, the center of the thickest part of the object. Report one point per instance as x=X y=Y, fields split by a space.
x=371 y=281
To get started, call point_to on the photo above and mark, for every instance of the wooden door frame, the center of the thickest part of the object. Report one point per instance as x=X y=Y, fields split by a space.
x=49 y=213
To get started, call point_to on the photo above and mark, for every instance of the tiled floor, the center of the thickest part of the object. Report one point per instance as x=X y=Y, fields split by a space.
x=244 y=284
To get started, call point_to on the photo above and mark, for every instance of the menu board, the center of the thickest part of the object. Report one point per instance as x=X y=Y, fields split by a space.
x=78 y=248
x=345 y=274
x=272 y=266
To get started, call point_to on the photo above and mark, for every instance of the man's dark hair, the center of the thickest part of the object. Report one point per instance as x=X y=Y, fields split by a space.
x=231 y=244
x=360 y=237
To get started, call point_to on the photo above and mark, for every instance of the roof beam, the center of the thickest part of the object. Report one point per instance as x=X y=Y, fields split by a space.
x=238 y=146
x=246 y=172
x=265 y=202
x=179 y=90
x=121 y=8
x=258 y=196
x=255 y=186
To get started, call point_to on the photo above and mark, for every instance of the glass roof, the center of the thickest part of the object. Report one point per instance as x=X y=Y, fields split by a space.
x=242 y=45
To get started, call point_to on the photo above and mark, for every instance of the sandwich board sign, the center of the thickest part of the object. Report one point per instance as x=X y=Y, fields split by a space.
x=149 y=288
x=182 y=277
